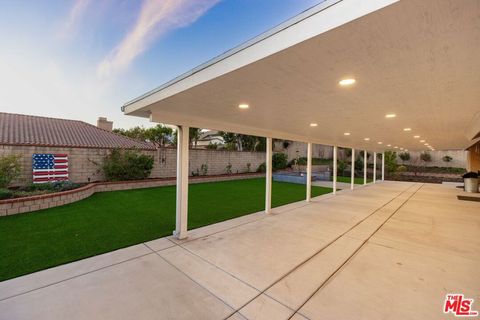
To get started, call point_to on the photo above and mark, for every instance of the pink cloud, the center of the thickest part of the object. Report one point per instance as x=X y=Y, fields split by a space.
x=156 y=18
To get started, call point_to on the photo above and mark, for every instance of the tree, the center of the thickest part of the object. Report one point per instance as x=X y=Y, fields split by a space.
x=390 y=161
x=194 y=135
x=159 y=135
x=425 y=157
x=405 y=156
x=261 y=144
x=134 y=133
x=348 y=153
x=246 y=142
x=341 y=166
x=242 y=142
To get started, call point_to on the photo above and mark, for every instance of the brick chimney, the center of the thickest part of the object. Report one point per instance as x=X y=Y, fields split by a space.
x=104 y=124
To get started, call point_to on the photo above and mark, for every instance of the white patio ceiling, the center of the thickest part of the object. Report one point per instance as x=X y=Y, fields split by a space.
x=418 y=59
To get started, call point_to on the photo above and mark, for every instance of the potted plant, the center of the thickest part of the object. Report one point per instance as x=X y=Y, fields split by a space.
x=470 y=180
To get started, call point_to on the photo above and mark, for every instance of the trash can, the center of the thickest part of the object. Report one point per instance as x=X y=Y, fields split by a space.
x=471 y=184
x=470 y=181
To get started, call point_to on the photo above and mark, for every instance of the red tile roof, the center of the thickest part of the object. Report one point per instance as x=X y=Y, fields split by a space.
x=20 y=129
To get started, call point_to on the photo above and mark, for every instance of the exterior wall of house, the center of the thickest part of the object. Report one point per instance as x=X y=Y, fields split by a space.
x=85 y=163
x=474 y=157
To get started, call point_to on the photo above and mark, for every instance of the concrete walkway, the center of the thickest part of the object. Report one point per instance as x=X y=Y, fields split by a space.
x=329 y=184
x=386 y=251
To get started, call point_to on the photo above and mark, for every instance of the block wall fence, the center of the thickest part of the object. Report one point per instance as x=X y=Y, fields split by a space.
x=85 y=163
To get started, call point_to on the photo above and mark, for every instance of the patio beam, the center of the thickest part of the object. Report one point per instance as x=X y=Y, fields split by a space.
x=182 y=182
x=374 y=167
x=352 y=169
x=268 y=177
x=309 y=172
x=335 y=149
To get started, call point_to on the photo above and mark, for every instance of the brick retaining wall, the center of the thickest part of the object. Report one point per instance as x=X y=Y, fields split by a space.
x=45 y=201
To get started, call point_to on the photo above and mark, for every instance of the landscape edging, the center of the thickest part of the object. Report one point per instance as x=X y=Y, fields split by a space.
x=38 y=202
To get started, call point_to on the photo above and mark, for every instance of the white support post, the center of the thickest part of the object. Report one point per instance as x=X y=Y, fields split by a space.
x=383 y=166
x=365 y=167
x=182 y=183
x=352 y=168
x=335 y=169
x=374 y=167
x=268 y=177
x=309 y=172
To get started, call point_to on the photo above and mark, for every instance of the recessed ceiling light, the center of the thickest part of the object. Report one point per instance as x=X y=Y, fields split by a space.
x=313 y=124
x=243 y=106
x=347 y=82
x=416 y=137
x=407 y=129
x=426 y=144
x=395 y=147
x=390 y=115
x=389 y=145
x=422 y=141
x=379 y=142
x=366 y=139
x=401 y=148
x=346 y=133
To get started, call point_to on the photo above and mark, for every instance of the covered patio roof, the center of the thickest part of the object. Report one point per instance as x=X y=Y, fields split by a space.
x=416 y=59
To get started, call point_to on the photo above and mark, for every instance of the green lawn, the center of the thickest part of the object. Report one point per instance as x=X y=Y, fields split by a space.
x=112 y=220
x=356 y=180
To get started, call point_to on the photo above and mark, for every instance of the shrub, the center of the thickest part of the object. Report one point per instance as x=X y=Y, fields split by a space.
x=204 y=169
x=9 y=169
x=401 y=169
x=426 y=157
x=228 y=168
x=405 y=156
x=279 y=161
x=50 y=186
x=359 y=164
x=230 y=146
x=212 y=146
x=5 y=194
x=122 y=165
x=447 y=158
x=341 y=166
x=262 y=167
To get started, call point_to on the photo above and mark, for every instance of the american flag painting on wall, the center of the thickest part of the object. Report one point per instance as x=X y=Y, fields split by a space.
x=50 y=167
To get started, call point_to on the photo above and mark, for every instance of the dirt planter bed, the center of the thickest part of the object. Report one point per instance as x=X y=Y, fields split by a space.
x=45 y=201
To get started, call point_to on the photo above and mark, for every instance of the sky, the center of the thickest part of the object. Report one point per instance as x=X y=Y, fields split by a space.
x=81 y=59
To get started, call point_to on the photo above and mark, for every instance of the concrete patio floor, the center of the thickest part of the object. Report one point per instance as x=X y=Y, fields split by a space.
x=390 y=250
